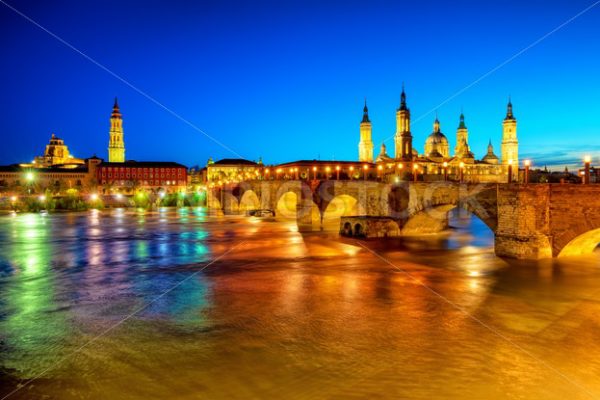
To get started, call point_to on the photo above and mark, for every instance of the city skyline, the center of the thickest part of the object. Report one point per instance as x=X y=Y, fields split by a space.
x=243 y=107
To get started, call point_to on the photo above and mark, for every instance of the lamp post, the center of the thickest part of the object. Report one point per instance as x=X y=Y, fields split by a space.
x=527 y=165
x=462 y=171
x=510 y=171
x=327 y=169
x=379 y=173
x=586 y=171
x=415 y=171
x=351 y=171
x=365 y=168
x=445 y=171
x=267 y=174
x=337 y=173
x=315 y=173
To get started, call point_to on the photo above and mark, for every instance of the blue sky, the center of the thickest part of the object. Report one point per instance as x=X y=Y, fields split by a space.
x=286 y=80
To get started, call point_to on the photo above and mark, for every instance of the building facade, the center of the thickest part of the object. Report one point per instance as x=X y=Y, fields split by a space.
x=127 y=177
x=230 y=170
x=17 y=178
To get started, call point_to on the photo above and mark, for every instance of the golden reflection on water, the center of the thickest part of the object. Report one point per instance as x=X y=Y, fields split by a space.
x=285 y=315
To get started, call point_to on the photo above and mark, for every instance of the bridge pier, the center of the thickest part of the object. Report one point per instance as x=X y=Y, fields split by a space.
x=523 y=222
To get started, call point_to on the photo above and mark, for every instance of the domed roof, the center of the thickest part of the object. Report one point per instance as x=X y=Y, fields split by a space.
x=436 y=137
x=490 y=157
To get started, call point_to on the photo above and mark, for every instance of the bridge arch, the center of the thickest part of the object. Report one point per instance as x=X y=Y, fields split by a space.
x=339 y=206
x=249 y=201
x=584 y=243
x=286 y=206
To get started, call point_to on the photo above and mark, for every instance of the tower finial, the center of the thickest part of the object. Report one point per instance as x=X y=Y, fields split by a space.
x=509 y=109
x=365 y=112
x=461 y=124
x=403 y=99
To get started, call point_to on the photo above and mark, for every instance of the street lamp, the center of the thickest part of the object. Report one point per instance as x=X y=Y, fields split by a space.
x=351 y=171
x=586 y=172
x=315 y=173
x=337 y=172
x=510 y=171
x=365 y=168
x=445 y=170
x=327 y=169
x=462 y=170
x=527 y=165
x=379 y=169
x=415 y=171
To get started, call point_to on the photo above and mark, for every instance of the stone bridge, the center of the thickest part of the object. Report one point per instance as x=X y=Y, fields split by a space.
x=528 y=221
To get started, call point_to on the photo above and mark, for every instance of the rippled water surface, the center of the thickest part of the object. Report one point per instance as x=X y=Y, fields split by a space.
x=177 y=304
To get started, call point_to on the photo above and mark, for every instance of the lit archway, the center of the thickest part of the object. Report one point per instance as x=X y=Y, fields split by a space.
x=339 y=206
x=286 y=205
x=585 y=243
x=249 y=201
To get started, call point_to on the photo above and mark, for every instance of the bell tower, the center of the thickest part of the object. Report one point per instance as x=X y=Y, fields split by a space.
x=116 y=145
x=510 y=144
x=365 y=146
x=403 y=137
x=462 y=138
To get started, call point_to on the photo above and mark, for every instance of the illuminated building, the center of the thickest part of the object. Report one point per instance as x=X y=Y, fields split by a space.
x=436 y=162
x=116 y=144
x=510 y=144
x=232 y=170
x=57 y=179
x=130 y=176
x=365 y=146
x=403 y=137
x=436 y=145
x=56 y=154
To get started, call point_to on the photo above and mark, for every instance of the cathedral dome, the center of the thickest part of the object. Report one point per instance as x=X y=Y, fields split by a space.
x=490 y=157
x=437 y=141
x=436 y=138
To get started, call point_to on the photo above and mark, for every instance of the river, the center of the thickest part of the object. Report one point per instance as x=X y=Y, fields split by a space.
x=179 y=304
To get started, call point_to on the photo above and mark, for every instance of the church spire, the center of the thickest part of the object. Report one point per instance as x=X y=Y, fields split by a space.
x=116 y=112
x=403 y=99
x=365 y=112
x=436 y=124
x=462 y=124
x=509 y=110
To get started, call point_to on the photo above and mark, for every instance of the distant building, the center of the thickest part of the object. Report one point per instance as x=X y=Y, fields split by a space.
x=56 y=154
x=230 y=170
x=129 y=176
x=436 y=161
x=116 y=144
x=57 y=179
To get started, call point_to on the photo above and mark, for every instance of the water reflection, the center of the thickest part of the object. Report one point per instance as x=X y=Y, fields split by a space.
x=285 y=315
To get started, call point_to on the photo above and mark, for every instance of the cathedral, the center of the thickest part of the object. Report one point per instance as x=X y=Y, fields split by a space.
x=436 y=161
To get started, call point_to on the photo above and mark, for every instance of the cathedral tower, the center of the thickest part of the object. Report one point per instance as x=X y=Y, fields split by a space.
x=462 y=138
x=116 y=145
x=365 y=146
x=403 y=137
x=510 y=144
